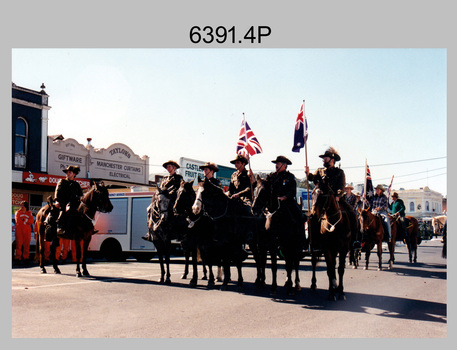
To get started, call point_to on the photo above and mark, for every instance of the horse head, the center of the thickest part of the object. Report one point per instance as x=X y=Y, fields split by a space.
x=101 y=194
x=260 y=198
x=185 y=197
x=198 y=203
x=158 y=209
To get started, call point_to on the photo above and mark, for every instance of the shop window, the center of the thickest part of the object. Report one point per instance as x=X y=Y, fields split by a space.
x=20 y=143
x=427 y=206
x=411 y=206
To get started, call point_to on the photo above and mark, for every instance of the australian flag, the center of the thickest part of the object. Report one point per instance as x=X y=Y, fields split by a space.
x=301 y=130
x=247 y=144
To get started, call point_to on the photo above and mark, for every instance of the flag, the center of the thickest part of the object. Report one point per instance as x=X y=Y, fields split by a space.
x=390 y=187
x=247 y=144
x=368 y=194
x=301 y=130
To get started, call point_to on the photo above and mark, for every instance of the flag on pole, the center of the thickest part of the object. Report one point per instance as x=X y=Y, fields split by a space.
x=247 y=144
x=390 y=187
x=368 y=188
x=301 y=130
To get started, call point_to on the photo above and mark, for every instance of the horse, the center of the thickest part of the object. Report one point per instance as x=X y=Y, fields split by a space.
x=160 y=231
x=330 y=233
x=96 y=199
x=438 y=224
x=194 y=228
x=283 y=234
x=264 y=241
x=373 y=234
x=228 y=230
x=412 y=237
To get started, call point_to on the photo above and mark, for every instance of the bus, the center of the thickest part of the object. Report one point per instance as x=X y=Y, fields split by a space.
x=119 y=232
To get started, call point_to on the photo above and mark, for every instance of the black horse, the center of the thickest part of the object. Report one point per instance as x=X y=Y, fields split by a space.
x=196 y=232
x=160 y=230
x=96 y=199
x=331 y=234
x=283 y=234
x=229 y=231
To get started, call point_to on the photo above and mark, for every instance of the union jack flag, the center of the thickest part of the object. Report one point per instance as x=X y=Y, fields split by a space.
x=301 y=130
x=247 y=144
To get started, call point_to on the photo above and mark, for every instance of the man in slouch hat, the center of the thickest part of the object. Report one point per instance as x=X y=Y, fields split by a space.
x=67 y=195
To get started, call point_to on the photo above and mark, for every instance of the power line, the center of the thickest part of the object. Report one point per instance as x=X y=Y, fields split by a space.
x=424 y=178
x=420 y=172
x=405 y=162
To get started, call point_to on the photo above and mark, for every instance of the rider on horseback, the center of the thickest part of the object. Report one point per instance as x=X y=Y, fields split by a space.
x=336 y=180
x=171 y=184
x=398 y=211
x=68 y=194
x=380 y=205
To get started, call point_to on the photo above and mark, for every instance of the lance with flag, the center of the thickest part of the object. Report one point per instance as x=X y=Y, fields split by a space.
x=301 y=138
x=247 y=144
x=390 y=188
x=368 y=187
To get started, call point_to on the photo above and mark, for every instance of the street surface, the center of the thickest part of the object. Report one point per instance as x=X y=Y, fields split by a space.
x=124 y=300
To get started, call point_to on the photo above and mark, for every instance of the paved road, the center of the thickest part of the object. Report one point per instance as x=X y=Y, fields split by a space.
x=124 y=300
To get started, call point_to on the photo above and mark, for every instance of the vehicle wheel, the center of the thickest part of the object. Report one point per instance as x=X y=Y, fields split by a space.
x=112 y=250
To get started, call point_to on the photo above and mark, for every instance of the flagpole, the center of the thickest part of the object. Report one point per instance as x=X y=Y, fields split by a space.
x=365 y=186
x=306 y=155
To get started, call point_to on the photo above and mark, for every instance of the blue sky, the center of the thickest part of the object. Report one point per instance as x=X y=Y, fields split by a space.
x=384 y=105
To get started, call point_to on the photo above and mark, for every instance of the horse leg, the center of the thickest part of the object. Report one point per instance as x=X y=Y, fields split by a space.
x=186 y=264
x=330 y=260
x=379 y=246
x=227 y=277
x=239 y=286
x=297 y=276
x=85 y=247
x=314 y=265
x=211 y=279
x=54 y=244
x=341 y=266
x=289 y=266
x=41 y=252
x=274 y=270
x=391 y=245
x=78 y=257
x=162 y=267
x=367 y=254
x=167 y=263
x=193 y=281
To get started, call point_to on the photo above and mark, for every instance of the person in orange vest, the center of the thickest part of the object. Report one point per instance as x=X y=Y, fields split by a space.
x=24 y=221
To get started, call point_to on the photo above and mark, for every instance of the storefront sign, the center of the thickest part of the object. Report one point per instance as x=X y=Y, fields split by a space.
x=117 y=162
x=19 y=197
x=49 y=180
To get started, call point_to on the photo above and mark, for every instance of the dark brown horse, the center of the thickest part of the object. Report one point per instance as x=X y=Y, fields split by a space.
x=330 y=234
x=265 y=241
x=96 y=199
x=411 y=236
x=160 y=230
x=373 y=234
x=193 y=229
x=229 y=230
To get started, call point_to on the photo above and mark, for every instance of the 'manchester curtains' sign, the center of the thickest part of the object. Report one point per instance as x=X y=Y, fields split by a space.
x=117 y=162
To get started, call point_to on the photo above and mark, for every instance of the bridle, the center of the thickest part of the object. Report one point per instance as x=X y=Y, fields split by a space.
x=327 y=217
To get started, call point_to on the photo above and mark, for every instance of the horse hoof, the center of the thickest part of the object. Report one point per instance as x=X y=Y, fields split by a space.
x=365 y=268
x=342 y=296
x=331 y=297
x=192 y=283
x=210 y=285
x=184 y=277
x=79 y=274
x=204 y=278
x=168 y=281
x=313 y=287
x=297 y=287
x=86 y=273
x=57 y=271
x=223 y=287
x=43 y=270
